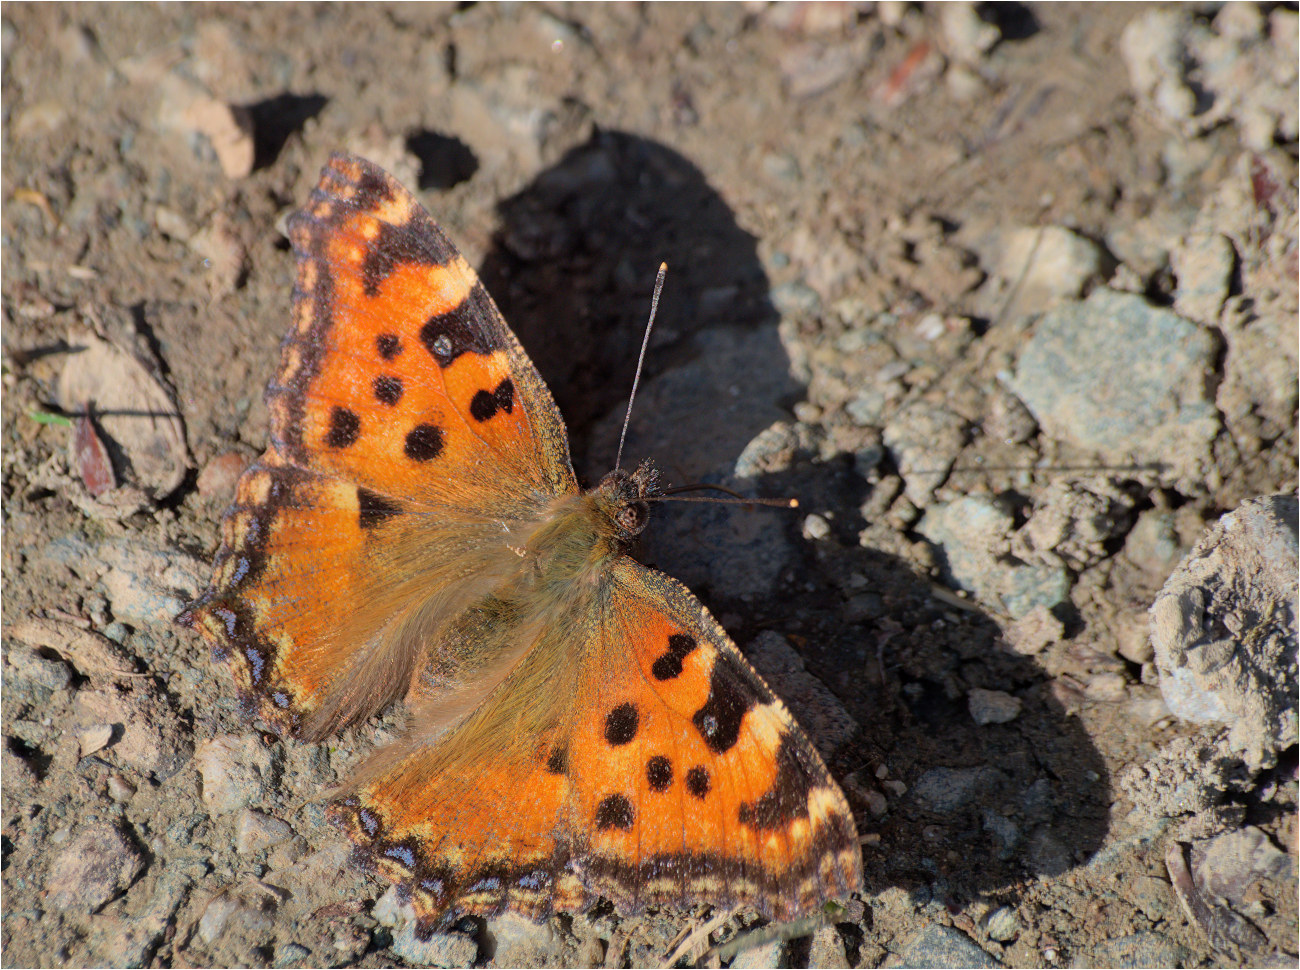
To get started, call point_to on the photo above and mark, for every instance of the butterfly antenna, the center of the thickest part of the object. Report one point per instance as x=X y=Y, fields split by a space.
x=674 y=495
x=645 y=342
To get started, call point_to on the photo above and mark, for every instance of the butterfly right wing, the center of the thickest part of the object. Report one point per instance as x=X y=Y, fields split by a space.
x=409 y=435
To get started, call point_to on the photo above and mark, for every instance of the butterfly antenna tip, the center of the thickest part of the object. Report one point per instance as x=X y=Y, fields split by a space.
x=645 y=342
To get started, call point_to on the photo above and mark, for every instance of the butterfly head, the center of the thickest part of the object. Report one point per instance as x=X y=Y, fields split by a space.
x=623 y=497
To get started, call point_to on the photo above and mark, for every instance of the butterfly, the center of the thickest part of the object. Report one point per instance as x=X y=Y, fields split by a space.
x=579 y=725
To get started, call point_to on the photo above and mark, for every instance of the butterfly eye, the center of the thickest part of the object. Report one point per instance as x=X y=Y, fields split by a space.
x=631 y=519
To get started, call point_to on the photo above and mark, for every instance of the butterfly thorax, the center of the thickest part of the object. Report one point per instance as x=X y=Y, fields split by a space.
x=581 y=534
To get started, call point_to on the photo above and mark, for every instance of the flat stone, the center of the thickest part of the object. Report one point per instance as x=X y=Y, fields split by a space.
x=1125 y=380
x=941 y=946
x=973 y=537
x=256 y=831
x=97 y=864
x=235 y=771
x=949 y=789
x=149 y=585
x=993 y=706
x=1046 y=265
x=924 y=440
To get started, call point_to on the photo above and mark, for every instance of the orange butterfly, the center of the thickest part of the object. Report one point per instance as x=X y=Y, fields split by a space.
x=580 y=726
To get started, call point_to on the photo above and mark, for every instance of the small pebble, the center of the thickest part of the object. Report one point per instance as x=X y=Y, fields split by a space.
x=95 y=739
x=816 y=527
x=993 y=706
x=119 y=789
x=877 y=804
x=807 y=412
x=1106 y=687
x=230 y=130
x=1002 y=924
x=290 y=953
x=218 y=478
x=257 y=831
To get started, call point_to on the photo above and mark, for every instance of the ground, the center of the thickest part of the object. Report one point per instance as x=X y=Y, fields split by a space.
x=1008 y=304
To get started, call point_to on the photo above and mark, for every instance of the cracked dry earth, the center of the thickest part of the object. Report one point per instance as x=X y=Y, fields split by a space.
x=1007 y=297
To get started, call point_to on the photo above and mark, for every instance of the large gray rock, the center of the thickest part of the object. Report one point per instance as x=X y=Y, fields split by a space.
x=1124 y=379
x=1224 y=629
x=973 y=537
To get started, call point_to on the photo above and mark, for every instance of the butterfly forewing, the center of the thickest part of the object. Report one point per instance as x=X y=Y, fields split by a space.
x=399 y=373
x=409 y=432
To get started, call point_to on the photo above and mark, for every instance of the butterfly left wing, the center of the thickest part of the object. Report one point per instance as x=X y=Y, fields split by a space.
x=409 y=434
x=635 y=755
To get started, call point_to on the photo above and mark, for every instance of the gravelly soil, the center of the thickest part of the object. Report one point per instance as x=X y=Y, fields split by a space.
x=899 y=240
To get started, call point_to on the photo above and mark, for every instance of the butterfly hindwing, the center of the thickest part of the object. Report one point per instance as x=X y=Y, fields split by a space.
x=661 y=770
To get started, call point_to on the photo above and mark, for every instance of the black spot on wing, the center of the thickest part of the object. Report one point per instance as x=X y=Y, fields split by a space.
x=485 y=404
x=373 y=191
x=389 y=345
x=558 y=762
x=416 y=242
x=374 y=509
x=621 y=724
x=345 y=426
x=669 y=665
x=787 y=799
x=697 y=781
x=659 y=773
x=469 y=328
x=388 y=389
x=614 y=812
x=424 y=442
x=718 y=721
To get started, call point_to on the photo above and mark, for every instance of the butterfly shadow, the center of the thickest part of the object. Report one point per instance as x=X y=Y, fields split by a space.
x=969 y=811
